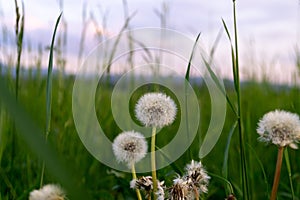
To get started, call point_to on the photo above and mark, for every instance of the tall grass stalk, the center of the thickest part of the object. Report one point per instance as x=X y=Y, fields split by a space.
x=236 y=77
x=19 y=36
x=19 y=30
x=114 y=48
x=49 y=93
x=277 y=173
x=129 y=35
x=240 y=128
x=83 y=33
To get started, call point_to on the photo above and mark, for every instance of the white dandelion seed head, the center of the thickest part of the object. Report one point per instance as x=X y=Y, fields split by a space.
x=130 y=147
x=155 y=110
x=48 y=192
x=196 y=175
x=279 y=127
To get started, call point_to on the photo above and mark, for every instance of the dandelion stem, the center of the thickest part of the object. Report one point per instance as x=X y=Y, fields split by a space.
x=153 y=165
x=134 y=177
x=277 y=173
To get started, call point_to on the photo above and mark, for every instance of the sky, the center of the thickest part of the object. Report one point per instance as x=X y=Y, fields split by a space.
x=268 y=30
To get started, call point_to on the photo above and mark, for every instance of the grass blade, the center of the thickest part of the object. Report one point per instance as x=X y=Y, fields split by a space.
x=232 y=56
x=187 y=78
x=262 y=168
x=229 y=188
x=221 y=88
x=214 y=47
x=187 y=74
x=49 y=92
x=226 y=153
x=288 y=167
x=33 y=137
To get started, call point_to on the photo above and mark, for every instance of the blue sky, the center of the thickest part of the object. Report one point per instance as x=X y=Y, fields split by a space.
x=268 y=30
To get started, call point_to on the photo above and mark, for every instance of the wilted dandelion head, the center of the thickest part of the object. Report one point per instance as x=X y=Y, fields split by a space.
x=197 y=176
x=279 y=127
x=48 y=192
x=160 y=194
x=179 y=190
x=130 y=147
x=155 y=110
x=145 y=183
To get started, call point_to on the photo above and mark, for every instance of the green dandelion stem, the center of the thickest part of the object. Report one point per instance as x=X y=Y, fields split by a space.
x=153 y=165
x=277 y=173
x=134 y=177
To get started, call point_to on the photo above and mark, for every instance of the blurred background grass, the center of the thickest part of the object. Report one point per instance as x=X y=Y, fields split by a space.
x=20 y=171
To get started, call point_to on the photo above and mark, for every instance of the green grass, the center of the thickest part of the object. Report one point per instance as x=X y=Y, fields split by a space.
x=18 y=179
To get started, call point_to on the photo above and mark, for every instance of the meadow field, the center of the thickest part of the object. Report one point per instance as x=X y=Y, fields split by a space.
x=37 y=131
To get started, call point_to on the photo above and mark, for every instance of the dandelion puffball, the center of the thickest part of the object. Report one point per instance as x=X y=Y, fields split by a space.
x=155 y=110
x=48 y=192
x=130 y=147
x=279 y=127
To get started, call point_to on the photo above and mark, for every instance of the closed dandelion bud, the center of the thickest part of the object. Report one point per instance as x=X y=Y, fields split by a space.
x=279 y=127
x=130 y=147
x=48 y=192
x=155 y=110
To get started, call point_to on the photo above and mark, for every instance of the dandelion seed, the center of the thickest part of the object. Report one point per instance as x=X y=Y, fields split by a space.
x=130 y=147
x=48 y=192
x=155 y=110
x=279 y=127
